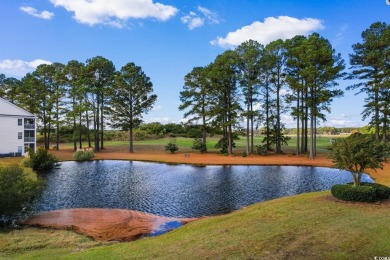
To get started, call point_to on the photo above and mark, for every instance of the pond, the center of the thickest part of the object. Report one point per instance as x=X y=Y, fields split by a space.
x=178 y=190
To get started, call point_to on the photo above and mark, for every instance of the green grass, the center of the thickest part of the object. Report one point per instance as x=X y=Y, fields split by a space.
x=185 y=144
x=311 y=226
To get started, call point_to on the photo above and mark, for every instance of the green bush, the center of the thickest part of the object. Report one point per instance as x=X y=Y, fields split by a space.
x=349 y=192
x=382 y=192
x=223 y=144
x=261 y=150
x=17 y=190
x=172 y=147
x=41 y=160
x=199 y=145
x=83 y=155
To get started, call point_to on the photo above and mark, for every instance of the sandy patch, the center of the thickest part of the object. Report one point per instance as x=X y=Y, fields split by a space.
x=104 y=224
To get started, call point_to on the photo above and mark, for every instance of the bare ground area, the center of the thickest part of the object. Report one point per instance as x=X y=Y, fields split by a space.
x=103 y=224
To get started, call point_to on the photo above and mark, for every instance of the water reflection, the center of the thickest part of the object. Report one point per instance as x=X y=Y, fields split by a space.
x=178 y=190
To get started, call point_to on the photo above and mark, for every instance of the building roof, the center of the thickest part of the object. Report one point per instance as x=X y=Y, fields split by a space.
x=9 y=109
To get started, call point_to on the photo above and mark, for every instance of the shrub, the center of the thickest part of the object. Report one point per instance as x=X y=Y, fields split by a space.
x=349 y=192
x=261 y=150
x=83 y=155
x=382 y=192
x=41 y=160
x=17 y=190
x=199 y=145
x=223 y=145
x=172 y=147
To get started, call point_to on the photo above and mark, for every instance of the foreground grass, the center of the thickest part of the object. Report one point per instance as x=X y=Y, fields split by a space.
x=311 y=225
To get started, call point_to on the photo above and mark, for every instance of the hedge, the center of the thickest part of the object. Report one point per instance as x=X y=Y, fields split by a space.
x=366 y=192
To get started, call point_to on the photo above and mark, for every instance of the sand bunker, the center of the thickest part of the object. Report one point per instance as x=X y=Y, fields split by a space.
x=106 y=224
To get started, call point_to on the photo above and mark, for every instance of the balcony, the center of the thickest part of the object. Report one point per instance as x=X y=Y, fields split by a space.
x=29 y=126
x=29 y=139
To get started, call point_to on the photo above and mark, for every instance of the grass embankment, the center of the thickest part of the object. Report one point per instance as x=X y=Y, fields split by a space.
x=312 y=225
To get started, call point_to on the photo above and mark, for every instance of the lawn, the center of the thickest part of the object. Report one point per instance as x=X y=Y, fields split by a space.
x=312 y=226
x=185 y=144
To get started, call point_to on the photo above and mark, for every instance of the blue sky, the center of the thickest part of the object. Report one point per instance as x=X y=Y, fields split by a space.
x=167 y=38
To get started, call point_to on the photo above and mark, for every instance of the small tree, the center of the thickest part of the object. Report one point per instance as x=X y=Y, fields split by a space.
x=17 y=190
x=357 y=153
x=199 y=145
x=171 y=146
x=41 y=160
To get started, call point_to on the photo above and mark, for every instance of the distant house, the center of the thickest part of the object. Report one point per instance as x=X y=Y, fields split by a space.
x=17 y=130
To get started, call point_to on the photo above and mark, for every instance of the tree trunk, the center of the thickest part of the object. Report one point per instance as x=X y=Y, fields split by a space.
x=131 y=147
x=57 y=127
x=377 y=128
x=80 y=133
x=204 y=132
x=278 y=131
x=298 y=114
x=97 y=122
x=102 y=123
x=311 y=156
x=252 y=131
x=267 y=115
x=88 y=132
x=74 y=127
x=384 y=130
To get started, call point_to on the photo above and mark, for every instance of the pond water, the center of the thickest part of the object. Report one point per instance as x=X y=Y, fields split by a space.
x=178 y=190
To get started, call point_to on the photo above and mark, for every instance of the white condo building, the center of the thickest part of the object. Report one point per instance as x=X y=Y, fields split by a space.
x=17 y=130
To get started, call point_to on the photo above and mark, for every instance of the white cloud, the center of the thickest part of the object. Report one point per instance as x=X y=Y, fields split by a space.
x=115 y=12
x=34 y=12
x=20 y=67
x=210 y=16
x=273 y=28
x=341 y=34
x=195 y=20
x=288 y=120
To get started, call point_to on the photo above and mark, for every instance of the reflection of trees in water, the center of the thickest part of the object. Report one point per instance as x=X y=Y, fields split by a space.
x=178 y=190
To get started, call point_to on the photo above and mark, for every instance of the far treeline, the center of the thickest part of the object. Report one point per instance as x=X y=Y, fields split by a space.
x=253 y=82
x=306 y=68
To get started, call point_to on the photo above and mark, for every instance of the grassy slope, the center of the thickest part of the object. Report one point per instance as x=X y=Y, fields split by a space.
x=311 y=225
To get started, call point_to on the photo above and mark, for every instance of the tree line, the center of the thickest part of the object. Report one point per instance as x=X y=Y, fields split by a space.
x=253 y=82
x=87 y=96
x=296 y=76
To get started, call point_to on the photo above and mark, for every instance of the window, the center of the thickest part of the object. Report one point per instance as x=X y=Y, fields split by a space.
x=20 y=149
x=20 y=121
x=20 y=135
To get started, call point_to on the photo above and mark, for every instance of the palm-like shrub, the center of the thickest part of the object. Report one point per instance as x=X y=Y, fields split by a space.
x=83 y=155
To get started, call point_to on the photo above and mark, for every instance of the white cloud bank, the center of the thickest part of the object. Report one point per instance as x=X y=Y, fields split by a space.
x=20 y=67
x=115 y=12
x=34 y=12
x=204 y=16
x=273 y=28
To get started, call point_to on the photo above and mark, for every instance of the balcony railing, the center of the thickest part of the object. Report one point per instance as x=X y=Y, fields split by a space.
x=29 y=139
x=29 y=126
